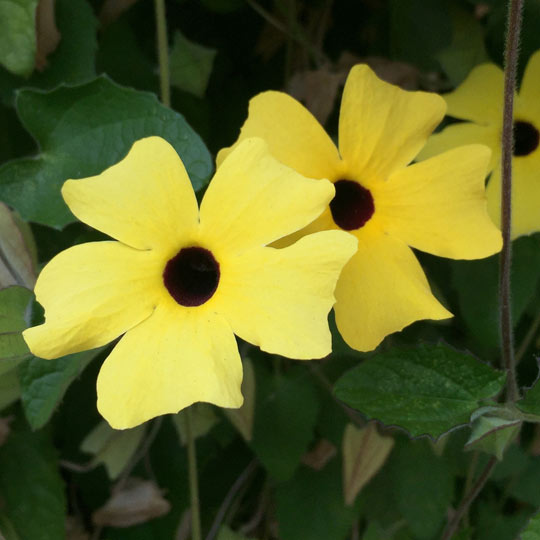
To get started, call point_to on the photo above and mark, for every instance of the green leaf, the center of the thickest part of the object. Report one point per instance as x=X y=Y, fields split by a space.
x=44 y=383
x=476 y=283
x=10 y=389
x=530 y=403
x=18 y=35
x=467 y=49
x=310 y=505
x=492 y=435
x=191 y=65
x=532 y=532
x=427 y=390
x=83 y=130
x=285 y=415
x=31 y=486
x=14 y=303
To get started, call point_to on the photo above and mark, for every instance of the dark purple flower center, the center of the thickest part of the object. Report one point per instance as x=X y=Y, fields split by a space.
x=526 y=138
x=352 y=206
x=192 y=276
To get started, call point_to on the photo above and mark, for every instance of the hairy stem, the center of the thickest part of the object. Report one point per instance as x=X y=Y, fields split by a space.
x=511 y=57
x=163 y=52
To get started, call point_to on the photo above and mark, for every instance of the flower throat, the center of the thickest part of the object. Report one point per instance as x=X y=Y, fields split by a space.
x=352 y=206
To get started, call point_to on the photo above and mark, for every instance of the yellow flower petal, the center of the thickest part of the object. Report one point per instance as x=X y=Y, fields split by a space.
x=525 y=196
x=92 y=293
x=279 y=299
x=293 y=135
x=146 y=200
x=173 y=359
x=253 y=199
x=382 y=127
x=480 y=97
x=530 y=85
x=381 y=290
x=465 y=133
x=439 y=205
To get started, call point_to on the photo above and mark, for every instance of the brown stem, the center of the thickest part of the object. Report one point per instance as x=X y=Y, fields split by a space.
x=511 y=57
x=453 y=525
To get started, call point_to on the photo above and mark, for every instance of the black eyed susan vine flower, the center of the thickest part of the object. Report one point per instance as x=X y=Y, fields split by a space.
x=179 y=282
x=479 y=101
x=437 y=206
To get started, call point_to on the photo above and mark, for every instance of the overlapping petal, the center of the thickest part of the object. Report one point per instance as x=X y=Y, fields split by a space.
x=253 y=199
x=530 y=85
x=304 y=145
x=279 y=299
x=92 y=293
x=174 y=358
x=146 y=200
x=382 y=289
x=480 y=97
x=439 y=205
x=382 y=127
x=525 y=196
x=464 y=133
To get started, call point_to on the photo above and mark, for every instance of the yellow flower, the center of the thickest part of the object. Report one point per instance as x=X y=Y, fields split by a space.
x=179 y=281
x=437 y=206
x=480 y=101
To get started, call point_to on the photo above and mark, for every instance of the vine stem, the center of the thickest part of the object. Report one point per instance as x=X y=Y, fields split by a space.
x=193 y=480
x=453 y=525
x=163 y=52
x=515 y=10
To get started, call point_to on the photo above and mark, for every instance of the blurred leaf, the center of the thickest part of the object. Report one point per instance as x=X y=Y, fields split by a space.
x=203 y=417
x=191 y=65
x=6 y=528
x=492 y=435
x=18 y=35
x=364 y=453
x=532 y=531
x=492 y=524
x=138 y=501
x=285 y=416
x=467 y=49
x=112 y=9
x=14 y=303
x=223 y=6
x=16 y=261
x=225 y=533
x=10 y=389
x=419 y=29
x=427 y=390
x=73 y=61
x=47 y=34
x=476 y=283
x=424 y=488
x=44 y=383
x=31 y=486
x=111 y=447
x=242 y=418
x=83 y=130
x=310 y=505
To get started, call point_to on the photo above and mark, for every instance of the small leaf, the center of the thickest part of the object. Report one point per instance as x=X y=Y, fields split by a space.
x=285 y=416
x=44 y=383
x=81 y=131
x=16 y=261
x=364 y=453
x=111 y=447
x=14 y=303
x=427 y=390
x=137 y=502
x=530 y=404
x=492 y=435
x=191 y=65
x=31 y=486
x=242 y=418
x=203 y=419
x=532 y=531
x=18 y=35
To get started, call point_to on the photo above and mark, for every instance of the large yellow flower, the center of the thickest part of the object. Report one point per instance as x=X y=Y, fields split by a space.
x=437 y=206
x=480 y=101
x=179 y=281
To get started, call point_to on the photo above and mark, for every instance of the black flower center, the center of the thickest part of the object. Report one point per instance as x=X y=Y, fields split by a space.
x=526 y=138
x=352 y=206
x=192 y=276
